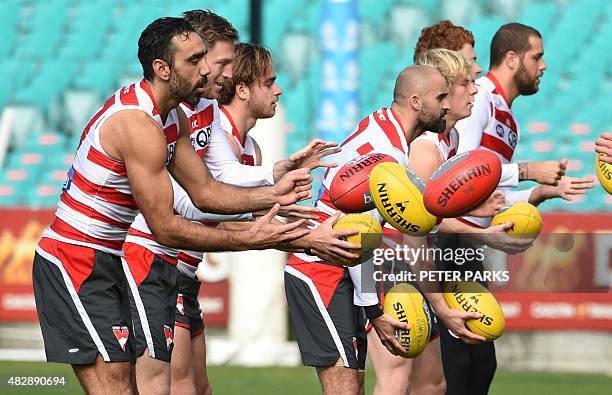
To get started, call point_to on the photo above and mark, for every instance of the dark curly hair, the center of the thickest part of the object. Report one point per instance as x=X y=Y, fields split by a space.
x=155 y=42
x=443 y=35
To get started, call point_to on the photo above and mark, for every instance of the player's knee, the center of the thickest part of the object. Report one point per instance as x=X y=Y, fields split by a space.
x=434 y=386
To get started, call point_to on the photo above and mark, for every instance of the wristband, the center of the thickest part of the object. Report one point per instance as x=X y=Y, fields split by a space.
x=373 y=312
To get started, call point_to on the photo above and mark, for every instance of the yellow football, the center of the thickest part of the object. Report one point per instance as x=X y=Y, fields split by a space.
x=398 y=196
x=406 y=304
x=369 y=236
x=526 y=217
x=470 y=296
x=604 y=173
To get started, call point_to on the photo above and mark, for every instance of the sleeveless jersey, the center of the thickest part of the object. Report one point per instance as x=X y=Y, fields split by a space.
x=491 y=126
x=188 y=260
x=204 y=124
x=379 y=132
x=96 y=206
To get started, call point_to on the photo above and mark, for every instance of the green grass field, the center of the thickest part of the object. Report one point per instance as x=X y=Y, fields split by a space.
x=302 y=381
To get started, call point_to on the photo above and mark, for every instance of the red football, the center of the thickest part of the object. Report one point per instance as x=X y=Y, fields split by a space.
x=350 y=189
x=462 y=183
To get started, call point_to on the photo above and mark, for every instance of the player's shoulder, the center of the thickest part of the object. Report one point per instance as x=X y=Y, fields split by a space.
x=225 y=120
x=202 y=104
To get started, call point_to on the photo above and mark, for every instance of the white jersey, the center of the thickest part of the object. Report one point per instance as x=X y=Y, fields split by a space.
x=379 y=132
x=448 y=148
x=246 y=154
x=491 y=126
x=222 y=161
x=96 y=206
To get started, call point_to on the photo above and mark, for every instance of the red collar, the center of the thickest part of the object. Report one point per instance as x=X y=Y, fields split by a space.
x=441 y=138
x=145 y=87
x=498 y=87
x=235 y=132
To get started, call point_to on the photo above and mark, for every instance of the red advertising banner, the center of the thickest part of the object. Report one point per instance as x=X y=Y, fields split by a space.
x=20 y=230
x=574 y=277
x=563 y=280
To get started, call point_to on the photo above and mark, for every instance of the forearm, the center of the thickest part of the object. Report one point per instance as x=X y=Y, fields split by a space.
x=180 y=233
x=454 y=226
x=223 y=198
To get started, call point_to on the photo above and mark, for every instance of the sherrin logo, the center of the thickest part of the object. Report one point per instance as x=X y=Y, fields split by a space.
x=460 y=180
x=361 y=163
x=469 y=304
x=391 y=209
x=403 y=336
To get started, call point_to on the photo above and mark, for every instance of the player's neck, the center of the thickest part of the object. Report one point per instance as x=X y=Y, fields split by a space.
x=408 y=122
x=163 y=99
x=506 y=81
x=450 y=124
x=243 y=121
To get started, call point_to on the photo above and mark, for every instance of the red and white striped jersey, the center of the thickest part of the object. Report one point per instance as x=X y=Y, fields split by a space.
x=203 y=118
x=204 y=124
x=379 y=132
x=447 y=148
x=96 y=206
x=491 y=126
x=188 y=260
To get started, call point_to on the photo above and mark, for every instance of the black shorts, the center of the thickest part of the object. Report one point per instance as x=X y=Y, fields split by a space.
x=188 y=313
x=82 y=303
x=153 y=291
x=327 y=323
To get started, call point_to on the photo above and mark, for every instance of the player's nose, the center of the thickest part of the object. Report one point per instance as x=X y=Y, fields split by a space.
x=204 y=67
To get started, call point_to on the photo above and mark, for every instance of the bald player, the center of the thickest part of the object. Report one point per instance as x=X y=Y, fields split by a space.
x=324 y=299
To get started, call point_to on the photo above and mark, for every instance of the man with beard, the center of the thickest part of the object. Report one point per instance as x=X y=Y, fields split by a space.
x=122 y=166
x=516 y=66
x=324 y=299
x=151 y=267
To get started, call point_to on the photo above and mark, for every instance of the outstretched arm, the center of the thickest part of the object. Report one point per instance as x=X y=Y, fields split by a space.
x=217 y=197
x=140 y=144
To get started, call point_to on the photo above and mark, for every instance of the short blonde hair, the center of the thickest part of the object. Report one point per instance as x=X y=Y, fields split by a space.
x=451 y=64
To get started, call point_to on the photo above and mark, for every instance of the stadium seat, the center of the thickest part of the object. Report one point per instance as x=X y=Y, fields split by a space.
x=45 y=25
x=9 y=19
x=404 y=24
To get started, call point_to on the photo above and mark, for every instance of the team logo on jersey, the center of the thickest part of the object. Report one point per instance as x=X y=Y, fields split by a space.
x=169 y=336
x=121 y=333
x=499 y=129
x=68 y=181
x=512 y=139
x=179 y=304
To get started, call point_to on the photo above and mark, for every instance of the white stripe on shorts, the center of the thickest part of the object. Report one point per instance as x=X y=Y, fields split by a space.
x=140 y=307
x=322 y=310
x=77 y=302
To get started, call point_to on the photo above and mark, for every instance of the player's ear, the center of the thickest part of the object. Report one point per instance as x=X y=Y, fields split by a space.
x=161 y=69
x=415 y=102
x=512 y=60
x=242 y=91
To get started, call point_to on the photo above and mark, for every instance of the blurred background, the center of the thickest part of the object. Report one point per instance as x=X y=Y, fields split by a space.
x=336 y=62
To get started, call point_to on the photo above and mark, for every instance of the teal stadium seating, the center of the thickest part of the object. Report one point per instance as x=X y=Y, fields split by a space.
x=61 y=58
